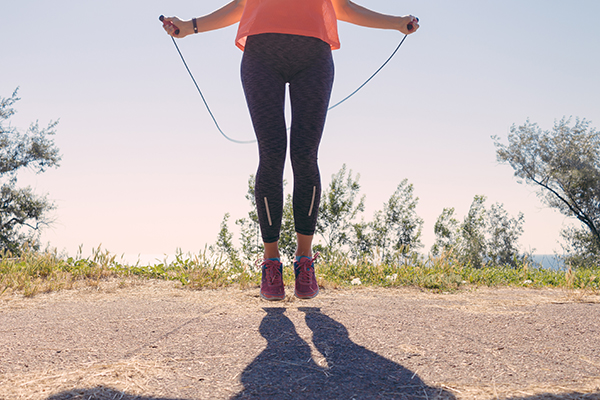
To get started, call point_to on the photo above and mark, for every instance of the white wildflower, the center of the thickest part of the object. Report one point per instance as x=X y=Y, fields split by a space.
x=356 y=281
x=527 y=282
x=234 y=276
x=392 y=278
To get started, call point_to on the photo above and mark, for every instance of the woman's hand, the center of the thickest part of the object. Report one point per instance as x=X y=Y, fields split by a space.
x=349 y=11
x=171 y=24
x=409 y=24
x=227 y=15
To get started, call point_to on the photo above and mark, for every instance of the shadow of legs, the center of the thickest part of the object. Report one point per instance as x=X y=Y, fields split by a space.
x=358 y=371
x=285 y=368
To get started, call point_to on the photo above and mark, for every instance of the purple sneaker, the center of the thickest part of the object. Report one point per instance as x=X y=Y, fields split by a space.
x=306 y=281
x=271 y=285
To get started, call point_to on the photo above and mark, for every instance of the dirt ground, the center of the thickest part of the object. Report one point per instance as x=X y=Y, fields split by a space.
x=150 y=340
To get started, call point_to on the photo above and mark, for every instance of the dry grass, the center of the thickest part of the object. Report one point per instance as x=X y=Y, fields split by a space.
x=589 y=390
x=91 y=381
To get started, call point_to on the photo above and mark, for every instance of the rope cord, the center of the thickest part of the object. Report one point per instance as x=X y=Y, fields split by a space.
x=371 y=77
x=204 y=100
x=253 y=141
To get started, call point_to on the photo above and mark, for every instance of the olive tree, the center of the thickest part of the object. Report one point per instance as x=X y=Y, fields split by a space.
x=22 y=212
x=564 y=164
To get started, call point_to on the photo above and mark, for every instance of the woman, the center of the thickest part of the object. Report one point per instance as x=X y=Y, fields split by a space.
x=288 y=42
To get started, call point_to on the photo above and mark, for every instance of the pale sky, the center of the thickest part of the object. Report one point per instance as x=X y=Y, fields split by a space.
x=145 y=171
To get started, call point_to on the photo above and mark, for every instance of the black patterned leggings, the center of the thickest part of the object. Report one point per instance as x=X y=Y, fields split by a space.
x=271 y=61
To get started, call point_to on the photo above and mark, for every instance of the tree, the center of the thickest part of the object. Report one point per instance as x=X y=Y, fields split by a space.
x=361 y=241
x=447 y=232
x=581 y=249
x=397 y=228
x=504 y=232
x=338 y=208
x=250 y=239
x=564 y=164
x=22 y=212
x=287 y=235
x=472 y=231
x=485 y=237
x=224 y=243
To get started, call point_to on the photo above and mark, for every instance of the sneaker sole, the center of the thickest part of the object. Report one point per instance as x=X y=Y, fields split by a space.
x=306 y=297
x=273 y=298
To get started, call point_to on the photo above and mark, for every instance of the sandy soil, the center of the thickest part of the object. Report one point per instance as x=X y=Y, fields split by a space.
x=151 y=340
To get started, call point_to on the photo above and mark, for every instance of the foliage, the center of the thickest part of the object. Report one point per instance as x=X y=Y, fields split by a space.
x=22 y=212
x=33 y=272
x=504 y=233
x=393 y=236
x=564 y=163
x=287 y=235
x=224 y=245
x=485 y=237
x=361 y=248
x=339 y=208
x=250 y=239
x=581 y=249
x=397 y=228
x=447 y=232
x=472 y=245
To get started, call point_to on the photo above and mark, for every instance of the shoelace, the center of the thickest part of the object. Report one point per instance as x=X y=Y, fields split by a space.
x=273 y=272
x=304 y=265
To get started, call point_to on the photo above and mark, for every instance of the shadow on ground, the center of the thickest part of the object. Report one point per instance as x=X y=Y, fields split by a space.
x=102 y=393
x=286 y=369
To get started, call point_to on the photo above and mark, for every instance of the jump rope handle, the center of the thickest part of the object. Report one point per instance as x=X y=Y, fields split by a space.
x=165 y=23
x=162 y=19
x=410 y=26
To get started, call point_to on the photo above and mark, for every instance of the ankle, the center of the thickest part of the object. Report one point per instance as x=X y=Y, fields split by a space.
x=273 y=259
x=271 y=250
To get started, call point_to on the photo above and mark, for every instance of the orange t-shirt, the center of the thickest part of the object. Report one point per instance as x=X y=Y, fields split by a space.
x=315 y=18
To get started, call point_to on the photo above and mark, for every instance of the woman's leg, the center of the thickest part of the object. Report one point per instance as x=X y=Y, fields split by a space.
x=264 y=88
x=272 y=250
x=310 y=91
x=304 y=248
x=265 y=95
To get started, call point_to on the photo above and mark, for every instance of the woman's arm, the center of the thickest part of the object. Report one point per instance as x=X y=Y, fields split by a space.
x=224 y=16
x=349 y=11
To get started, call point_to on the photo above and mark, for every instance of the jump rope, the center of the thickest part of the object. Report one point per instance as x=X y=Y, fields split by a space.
x=161 y=18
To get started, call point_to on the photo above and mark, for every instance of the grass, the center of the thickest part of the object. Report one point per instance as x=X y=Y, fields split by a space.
x=37 y=272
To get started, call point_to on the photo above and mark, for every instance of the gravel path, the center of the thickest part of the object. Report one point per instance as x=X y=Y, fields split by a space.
x=154 y=341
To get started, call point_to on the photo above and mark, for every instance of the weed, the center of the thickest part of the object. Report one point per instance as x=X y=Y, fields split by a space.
x=37 y=272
